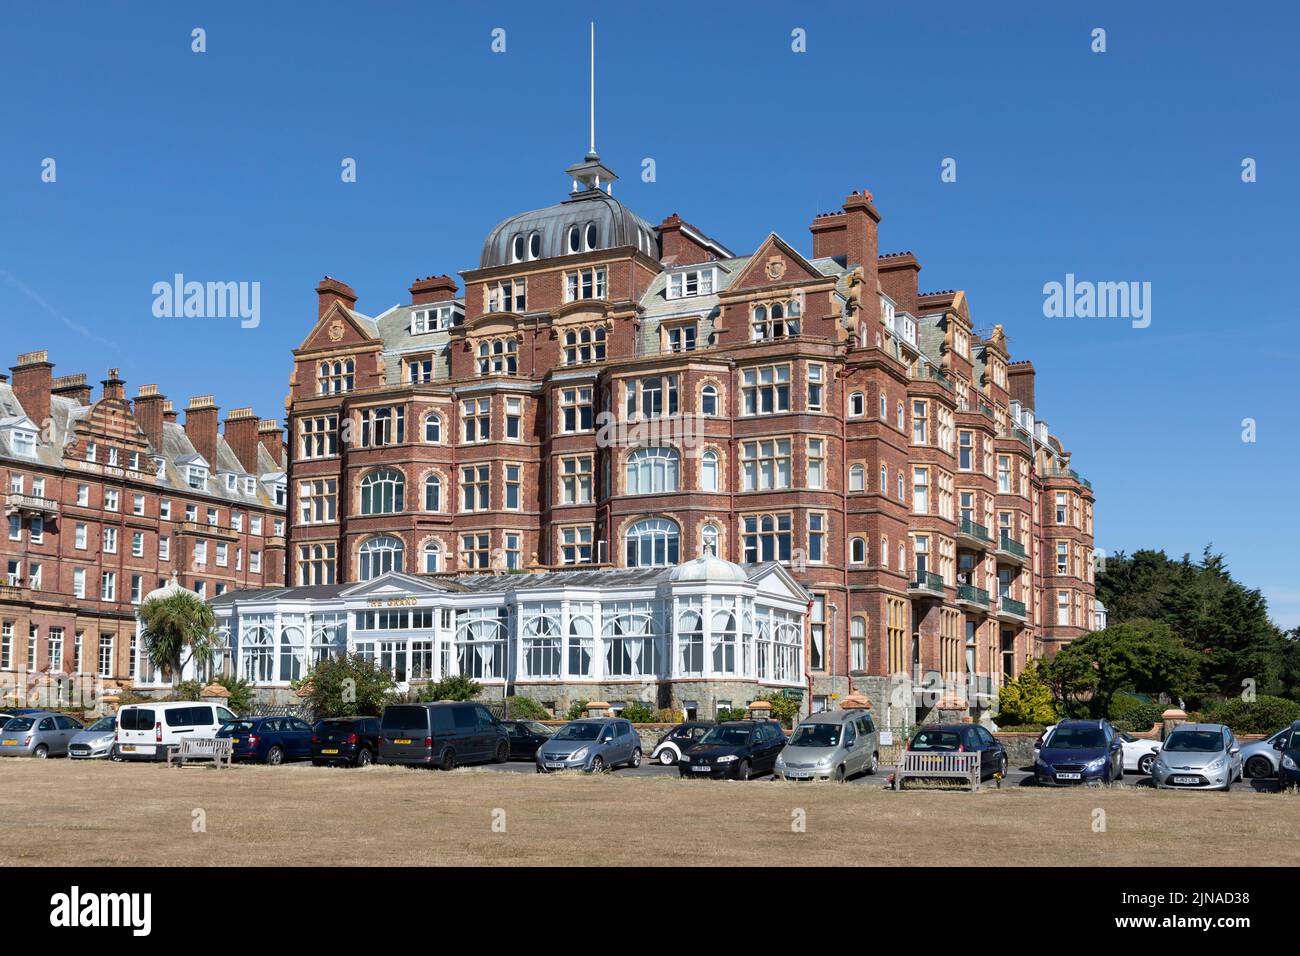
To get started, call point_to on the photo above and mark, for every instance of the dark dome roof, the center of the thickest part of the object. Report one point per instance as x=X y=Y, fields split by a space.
x=616 y=225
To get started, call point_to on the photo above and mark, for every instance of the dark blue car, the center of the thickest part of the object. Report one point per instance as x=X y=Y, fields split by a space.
x=270 y=740
x=1080 y=751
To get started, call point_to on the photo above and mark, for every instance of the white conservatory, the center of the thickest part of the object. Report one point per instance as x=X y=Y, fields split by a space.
x=703 y=634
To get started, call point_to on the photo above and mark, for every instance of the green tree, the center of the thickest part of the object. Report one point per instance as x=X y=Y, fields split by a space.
x=177 y=628
x=638 y=712
x=456 y=687
x=1142 y=656
x=525 y=708
x=576 y=710
x=345 y=687
x=240 y=691
x=785 y=707
x=1026 y=700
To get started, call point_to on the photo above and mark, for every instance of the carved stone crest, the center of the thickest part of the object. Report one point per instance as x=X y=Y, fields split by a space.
x=336 y=330
x=775 y=268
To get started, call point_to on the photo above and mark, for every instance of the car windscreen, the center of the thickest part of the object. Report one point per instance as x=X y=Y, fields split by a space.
x=540 y=729
x=1076 y=738
x=104 y=723
x=935 y=740
x=733 y=736
x=18 y=724
x=1194 y=741
x=406 y=718
x=816 y=735
x=578 y=732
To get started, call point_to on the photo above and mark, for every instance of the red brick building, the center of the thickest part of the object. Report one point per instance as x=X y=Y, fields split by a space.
x=105 y=499
x=813 y=408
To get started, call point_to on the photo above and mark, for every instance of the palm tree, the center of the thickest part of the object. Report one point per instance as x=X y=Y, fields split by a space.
x=177 y=627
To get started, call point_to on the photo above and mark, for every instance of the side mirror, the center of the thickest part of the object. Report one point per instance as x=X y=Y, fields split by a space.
x=1234 y=751
x=1279 y=744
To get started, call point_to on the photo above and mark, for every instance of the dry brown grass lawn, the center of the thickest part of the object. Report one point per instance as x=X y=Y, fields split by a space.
x=63 y=813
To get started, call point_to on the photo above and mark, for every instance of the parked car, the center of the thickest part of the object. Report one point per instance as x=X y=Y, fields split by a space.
x=680 y=739
x=738 y=749
x=831 y=745
x=1038 y=744
x=525 y=737
x=1198 y=757
x=1288 y=747
x=271 y=740
x=1080 y=751
x=1262 y=757
x=39 y=734
x=352 y=741
x=145 y=731
x=593 y=744
x=95 y=741
x=963 y=738
x=445 y=735
x=1139 y=753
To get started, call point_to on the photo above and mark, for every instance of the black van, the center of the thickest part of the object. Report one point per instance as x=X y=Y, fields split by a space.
x=441 y=735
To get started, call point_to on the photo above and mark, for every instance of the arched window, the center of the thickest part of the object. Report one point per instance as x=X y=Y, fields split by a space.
x=857 y=478
x=433 y=493
x=517 y=249
x=535 y=245
x=382 y=492
x=542 y=645
x=709 y=471
x=773 y=322
x=709 y=400
x=858 y=644
x=327 y=640
x=652 y=471
x=690 y=643
x=584 y=345
x=709 y=536
x=575 y=239
x=581 y=645
x=857 y=551
x=379 y=556
x=857 y=405
x=292 y=645
x=432 y=558
x=652 y=543
x=794 y=309
x=722 y=634
x=433 y=429
x=259 y=655
x=590 y=236
x=498 y=356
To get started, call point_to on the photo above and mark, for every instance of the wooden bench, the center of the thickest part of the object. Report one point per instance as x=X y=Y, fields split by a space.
x=927 y=764
x=219 y=750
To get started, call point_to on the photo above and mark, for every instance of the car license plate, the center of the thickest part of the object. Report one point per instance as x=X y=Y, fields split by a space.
x=404 y=740
x=127 y=748
x=701 y=769
x=1069 y=776
x=333 y=751
x=798 y=774
x=554 y=765
x=1187 y=779
x=233 y=741
x=11 y=743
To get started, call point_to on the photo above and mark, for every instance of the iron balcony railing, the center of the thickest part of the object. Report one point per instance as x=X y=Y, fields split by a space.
x=973 y=529
x=928 y=581
x=1012 y=606
x=1011 y=546
x=972 y=594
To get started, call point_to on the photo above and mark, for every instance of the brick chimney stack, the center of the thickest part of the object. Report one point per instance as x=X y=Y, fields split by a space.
x=201 y=427
x=900 y=279
x=1020 y=378
x=851 y=235
x=332 y=290
x=149 y=414
x=33 y=378
x=433 y=289
x=271 y=438
x=73 y=387
x=677 y=245
x=114 y=387
x=169 y=412
x=241 y=436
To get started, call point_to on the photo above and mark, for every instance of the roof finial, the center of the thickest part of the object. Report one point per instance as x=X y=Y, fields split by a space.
x=593 y=87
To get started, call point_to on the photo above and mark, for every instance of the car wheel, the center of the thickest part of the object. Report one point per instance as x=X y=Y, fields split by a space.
x=448 y=761
x=875 y=763
x=636 y=758
x=1258 y=767
x=742 y=772
x=502 y=754
x=1119 y=775
x=41 y=751
x=667 y=757
x=841 y=774
x=275 y=756
x=598 y=764
x=114 y=755
x=364 y=758
x=1145 y=763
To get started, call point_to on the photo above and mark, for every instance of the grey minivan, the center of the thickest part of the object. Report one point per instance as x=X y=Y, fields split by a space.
x=593 y=745
x=445 y=734
x=42 y=734
x=832 y=745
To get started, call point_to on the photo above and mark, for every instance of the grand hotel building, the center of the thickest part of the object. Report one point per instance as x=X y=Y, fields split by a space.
x=795 y=429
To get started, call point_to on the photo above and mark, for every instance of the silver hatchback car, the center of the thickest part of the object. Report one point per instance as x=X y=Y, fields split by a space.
x=1198 y=757
x=95 y=741
x=832 y=745
x=592 y=744
x=42 y=734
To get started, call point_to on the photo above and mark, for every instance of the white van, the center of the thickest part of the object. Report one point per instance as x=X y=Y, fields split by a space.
x=145 y=731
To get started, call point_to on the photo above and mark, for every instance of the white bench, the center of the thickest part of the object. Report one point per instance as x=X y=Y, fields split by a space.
x=928 y=764
x=219 y=750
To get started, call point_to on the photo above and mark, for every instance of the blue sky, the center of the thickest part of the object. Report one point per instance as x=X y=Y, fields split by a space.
x=1118 y=166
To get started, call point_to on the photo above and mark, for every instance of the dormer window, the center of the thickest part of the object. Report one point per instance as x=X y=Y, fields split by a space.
x=535 y=245
x=575 y=239
x=517 y=249
x=160 y=467
x=250 y=485
x=435 y=319
x=24 y=443
x=420 y=370
x=280 y=490
x=682 y=285
x=589 y=237
x=232 y=482
x=196 y=476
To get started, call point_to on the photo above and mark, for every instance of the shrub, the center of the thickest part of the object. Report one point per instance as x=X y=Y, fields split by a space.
x=188 y=690
x=345 y=687
x=577 y=710
x=1022 y=728
x=1137 y=713
x=666 y=715
x=525 y=708
x=241 y=693
x=1263 y=715
x=638 y=712
x=785 y=707
x=456 y=687
x=1026 y=700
